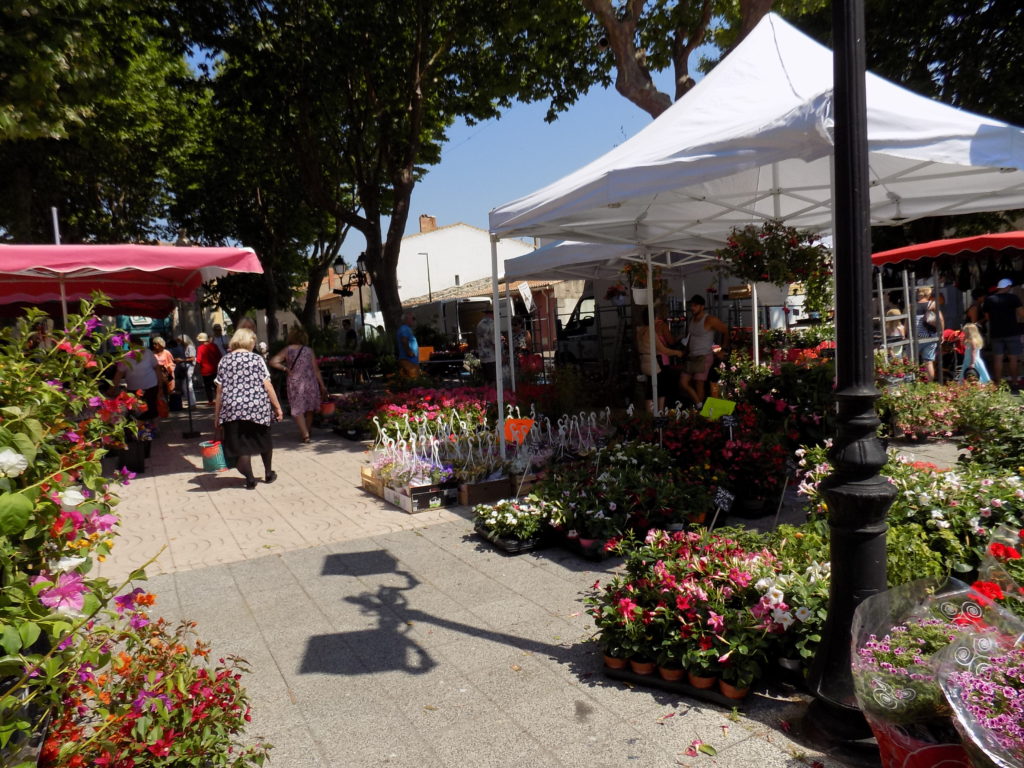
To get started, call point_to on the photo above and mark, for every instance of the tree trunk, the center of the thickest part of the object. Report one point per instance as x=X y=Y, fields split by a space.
x=21 y=228
x=314 y=280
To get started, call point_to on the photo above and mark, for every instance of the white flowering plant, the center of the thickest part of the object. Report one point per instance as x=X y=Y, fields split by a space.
x=956 y=509
x=520 y=519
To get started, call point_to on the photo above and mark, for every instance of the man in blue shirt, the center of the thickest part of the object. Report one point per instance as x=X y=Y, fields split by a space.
x=408 y=348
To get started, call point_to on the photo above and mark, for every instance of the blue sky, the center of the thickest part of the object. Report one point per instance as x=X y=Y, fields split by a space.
x=497 y=161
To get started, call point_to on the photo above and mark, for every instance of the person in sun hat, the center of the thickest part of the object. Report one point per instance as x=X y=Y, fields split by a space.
x=1004 y=314
x=207 y=358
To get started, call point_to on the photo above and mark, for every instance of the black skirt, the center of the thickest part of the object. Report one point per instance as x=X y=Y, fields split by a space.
x=246 y=438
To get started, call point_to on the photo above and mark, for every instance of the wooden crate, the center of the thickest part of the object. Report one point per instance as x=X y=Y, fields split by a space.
x=523 y=485
x=486 y=492
x=371 y=482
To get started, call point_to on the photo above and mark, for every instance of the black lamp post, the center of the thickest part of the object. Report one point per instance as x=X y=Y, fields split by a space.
x=360 y=282
x=858 y=498
x=359 y=279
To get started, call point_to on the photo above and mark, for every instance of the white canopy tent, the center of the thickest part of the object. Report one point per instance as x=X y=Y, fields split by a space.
x=574 y=260
x=753 y=141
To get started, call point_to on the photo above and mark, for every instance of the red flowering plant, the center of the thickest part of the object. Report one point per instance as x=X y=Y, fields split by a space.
x=775 y=253
x=145 y=694
x=56 y=506
x=1003 y=560
x=684 y=600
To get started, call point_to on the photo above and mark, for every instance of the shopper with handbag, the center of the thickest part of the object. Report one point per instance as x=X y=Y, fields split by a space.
x=306 y=388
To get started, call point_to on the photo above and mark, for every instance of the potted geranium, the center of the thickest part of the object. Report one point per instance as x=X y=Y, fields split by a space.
x=636 y=274
x=617 y=294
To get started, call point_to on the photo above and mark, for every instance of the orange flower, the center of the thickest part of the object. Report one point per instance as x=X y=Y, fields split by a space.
x=145 y=598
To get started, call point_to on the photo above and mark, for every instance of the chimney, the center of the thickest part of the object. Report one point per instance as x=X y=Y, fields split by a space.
x=428 y=223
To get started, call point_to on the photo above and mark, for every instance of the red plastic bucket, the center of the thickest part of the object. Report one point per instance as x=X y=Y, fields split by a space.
x=327 y=408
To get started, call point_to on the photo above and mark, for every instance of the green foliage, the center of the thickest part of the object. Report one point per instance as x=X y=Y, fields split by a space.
x=910 y=555
x=106 y=127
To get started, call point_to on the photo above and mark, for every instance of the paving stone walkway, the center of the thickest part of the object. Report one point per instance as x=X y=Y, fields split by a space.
x=382 y=638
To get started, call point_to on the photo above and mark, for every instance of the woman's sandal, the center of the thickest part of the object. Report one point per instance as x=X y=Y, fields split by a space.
x=271 y=477
x=250 y=483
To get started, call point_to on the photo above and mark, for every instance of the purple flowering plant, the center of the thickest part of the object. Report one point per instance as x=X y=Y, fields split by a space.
x=988 y=703
x=893 y=674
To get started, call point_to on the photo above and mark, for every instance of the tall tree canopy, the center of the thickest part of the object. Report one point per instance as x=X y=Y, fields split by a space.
x=365 y=91
x=99 y=143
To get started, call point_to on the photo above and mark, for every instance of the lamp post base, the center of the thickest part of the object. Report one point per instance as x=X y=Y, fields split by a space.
x=841 y=733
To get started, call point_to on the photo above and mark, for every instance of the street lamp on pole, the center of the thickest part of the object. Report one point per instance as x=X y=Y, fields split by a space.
x=360 y=280
x=430 y=293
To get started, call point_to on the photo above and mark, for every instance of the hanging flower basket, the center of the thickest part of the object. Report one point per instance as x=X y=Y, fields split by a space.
x=777 y=254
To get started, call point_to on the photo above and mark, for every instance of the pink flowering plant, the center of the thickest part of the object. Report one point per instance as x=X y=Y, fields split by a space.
x=684 y=599
x=982 y=678
x=57 y=509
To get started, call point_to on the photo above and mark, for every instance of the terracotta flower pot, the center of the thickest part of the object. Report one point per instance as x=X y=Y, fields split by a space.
x=641 y=667
x=615 y=662
x=730 y=691
x=672 y=674
x=701 y=681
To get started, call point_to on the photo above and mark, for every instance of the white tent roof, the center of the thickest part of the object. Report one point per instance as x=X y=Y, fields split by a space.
x=753 y=140
x=571 y=260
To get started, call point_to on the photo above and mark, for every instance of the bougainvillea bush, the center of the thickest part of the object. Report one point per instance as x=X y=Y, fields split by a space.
x=56 y=507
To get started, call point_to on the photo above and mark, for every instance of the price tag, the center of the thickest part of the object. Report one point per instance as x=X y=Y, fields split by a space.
x=729 y=421
x=724 y=499
x=791 y=466
x=516 y=430
x=660 y=422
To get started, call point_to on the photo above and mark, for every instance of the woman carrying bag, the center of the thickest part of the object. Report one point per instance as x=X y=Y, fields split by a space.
x=244 y=407
x=306 y=389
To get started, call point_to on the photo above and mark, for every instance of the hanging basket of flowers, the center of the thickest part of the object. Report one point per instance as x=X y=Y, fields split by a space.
x=635 y=273
x=775 y=253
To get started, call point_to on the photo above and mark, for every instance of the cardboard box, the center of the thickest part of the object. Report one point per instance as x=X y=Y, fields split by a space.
x=420 y=498
x=486 y=492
